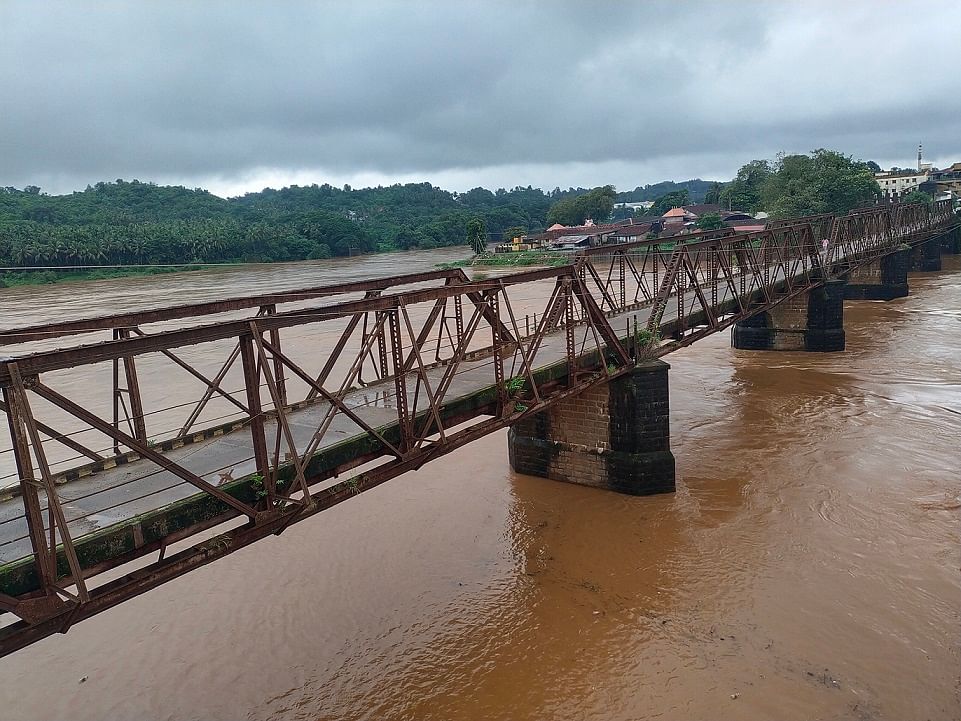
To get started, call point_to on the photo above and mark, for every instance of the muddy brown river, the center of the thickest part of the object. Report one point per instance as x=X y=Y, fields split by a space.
x=808 y=567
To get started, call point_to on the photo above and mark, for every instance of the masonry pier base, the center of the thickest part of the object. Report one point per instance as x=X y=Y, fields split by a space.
x=811 y=321
x=926 y=256
x=883 y=279
x=951 y=243
x=614 y=436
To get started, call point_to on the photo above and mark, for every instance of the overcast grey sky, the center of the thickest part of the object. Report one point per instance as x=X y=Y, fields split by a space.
x=235 y=96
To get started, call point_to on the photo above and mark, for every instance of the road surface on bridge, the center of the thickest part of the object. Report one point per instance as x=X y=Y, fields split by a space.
x=117 y=494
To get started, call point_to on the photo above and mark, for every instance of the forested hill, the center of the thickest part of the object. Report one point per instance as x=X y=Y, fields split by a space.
x=696 y=189
x=132 y=222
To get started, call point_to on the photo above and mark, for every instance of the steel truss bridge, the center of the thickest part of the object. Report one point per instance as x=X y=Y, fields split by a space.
x=143 y=445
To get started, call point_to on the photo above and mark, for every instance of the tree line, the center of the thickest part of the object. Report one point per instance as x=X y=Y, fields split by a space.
x=127 y=222
x=133 y=222
x=824 y=181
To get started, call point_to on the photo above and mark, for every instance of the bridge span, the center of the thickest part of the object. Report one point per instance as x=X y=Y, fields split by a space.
x=118 y=478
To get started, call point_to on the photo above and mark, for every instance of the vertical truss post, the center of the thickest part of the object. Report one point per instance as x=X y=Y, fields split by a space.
x=712 y=265
x=400 y=380
x=43 y=560
x=766 y=244
x=116 y=396
x=459 y=318
x=569 y=331
x=681 y=279
x=258 y=433
x=279 y=378
x=654 y=252
x=498 y=343
x=381 y=342
x=57 y=520
x=132 y=390
x=623 y=278
x=741 y=256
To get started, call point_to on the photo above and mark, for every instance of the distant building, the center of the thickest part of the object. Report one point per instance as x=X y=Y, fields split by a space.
x=575 y=242
x=746 y=226
x=940 y=184
x=589 y=228
x=947 y=183
x=895 y=184
x=689 y=215
x=640 y=205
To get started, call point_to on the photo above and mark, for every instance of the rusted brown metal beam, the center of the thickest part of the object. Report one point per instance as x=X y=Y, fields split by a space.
x=45 y=563
x=57 y=524
x=12 y=336
x=135 y=445
x=63 y=438
x=654 y=242
x=45 y=361
x=209 y=392
x=21 y=634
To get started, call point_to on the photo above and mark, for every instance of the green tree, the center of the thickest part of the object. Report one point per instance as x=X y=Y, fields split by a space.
x=713 y=194
x=477 y=235
x=823 y=182
x=917 y=196
x=598 y=203
x=744 y=192
x=515 y=231
x=595 y=204
x=674 y=199
x=709 y=221
x=566 y=212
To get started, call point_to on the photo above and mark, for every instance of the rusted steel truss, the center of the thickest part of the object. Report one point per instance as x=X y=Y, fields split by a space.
x=414 y=368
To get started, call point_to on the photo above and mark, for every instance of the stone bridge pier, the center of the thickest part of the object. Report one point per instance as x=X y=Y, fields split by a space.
x=951 y=243
x=926 y=256
x=811 y=321
x=614 y=436
x=883 y=279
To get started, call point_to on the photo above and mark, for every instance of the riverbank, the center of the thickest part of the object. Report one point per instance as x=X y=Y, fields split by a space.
x=16 y=278
x=520 y=259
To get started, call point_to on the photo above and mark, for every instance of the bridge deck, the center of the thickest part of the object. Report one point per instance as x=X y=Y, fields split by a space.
x=124 y=494
x=114 y=495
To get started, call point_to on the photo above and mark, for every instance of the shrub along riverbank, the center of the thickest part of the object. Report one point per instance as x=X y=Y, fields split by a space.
x=520 y=259
x=15 y=278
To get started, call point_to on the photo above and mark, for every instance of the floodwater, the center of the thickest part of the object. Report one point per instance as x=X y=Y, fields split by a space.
x=808 y=567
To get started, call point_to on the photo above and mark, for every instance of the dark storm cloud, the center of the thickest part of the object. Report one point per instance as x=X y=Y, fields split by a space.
x=179 y=90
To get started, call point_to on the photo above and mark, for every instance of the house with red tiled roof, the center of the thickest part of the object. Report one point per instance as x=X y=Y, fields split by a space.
x=678 y=215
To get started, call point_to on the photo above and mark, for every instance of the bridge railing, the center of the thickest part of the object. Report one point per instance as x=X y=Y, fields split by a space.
x=268 y=303
x=713 y=282
x=396 y=376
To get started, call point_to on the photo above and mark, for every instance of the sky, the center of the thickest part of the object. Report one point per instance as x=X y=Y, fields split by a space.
x=238 y=96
